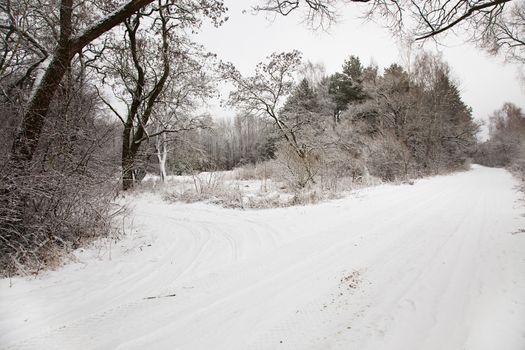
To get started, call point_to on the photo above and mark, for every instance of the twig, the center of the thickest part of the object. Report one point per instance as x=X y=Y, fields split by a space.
x=160 y=296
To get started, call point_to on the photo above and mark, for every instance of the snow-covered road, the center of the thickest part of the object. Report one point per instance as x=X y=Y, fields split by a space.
x=436 y=265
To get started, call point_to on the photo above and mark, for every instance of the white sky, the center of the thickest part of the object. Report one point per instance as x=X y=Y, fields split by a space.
x=246 y=39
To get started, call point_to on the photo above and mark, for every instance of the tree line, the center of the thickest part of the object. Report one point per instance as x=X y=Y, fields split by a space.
x=391 y=124
x=505 y=146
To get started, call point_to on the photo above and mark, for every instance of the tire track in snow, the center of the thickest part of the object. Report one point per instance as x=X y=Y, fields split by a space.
x=265 y=281
x=211 y=280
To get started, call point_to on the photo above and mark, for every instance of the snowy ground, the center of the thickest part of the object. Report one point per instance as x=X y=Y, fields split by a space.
x=436 y=265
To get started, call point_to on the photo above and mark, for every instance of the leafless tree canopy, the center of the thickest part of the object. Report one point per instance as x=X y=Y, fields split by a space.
x=264 y=94
x=496 y=25
x=156 y=72
x=317 y=13
x=506 y=144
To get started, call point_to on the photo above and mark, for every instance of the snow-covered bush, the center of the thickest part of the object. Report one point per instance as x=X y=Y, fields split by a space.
x=63 y=197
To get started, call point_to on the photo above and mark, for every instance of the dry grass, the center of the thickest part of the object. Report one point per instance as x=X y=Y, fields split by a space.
x=260 y=186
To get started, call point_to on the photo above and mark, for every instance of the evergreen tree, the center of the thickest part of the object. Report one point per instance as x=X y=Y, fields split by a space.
x=346 y=87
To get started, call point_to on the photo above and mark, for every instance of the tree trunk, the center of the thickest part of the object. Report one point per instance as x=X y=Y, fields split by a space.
x=127 y=173
x=26 y=141
x=128 y=158
x=162 y=156
x=162 y=169
x=143 y=104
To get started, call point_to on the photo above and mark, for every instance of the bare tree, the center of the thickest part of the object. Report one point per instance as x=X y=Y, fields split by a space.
x=316 y=13
x=177 y=115
x=154 y=57
x=68 y=44
x=70 y=37
x=496 y=25
x=507 y=34
x=505 y=145
x=265 y=93
x=189 y=86
x=51 y=192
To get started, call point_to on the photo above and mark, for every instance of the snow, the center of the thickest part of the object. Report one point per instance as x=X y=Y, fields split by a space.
x=41 y=71
x=436 y=265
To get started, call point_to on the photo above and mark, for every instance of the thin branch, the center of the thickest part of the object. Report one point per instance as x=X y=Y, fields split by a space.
x=471 y=11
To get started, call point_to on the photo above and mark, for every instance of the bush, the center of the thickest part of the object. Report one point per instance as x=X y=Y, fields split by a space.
x=389 y=159
x=295 y=171
x=62 y=197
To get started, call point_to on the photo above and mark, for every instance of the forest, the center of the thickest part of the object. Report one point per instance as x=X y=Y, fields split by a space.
x=99 y=97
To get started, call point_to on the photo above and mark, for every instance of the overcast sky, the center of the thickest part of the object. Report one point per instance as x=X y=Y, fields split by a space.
x=246 y=39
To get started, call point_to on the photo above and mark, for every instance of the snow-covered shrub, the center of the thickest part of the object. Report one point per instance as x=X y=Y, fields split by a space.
x=389 y=159
x=62 y=197
x=296 y=171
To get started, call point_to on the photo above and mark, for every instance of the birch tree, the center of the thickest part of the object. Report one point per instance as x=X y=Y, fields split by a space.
x=177 y=114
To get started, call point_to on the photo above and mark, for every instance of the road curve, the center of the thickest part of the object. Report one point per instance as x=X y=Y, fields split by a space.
x=435 y=265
